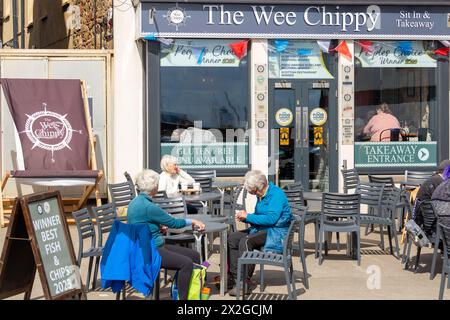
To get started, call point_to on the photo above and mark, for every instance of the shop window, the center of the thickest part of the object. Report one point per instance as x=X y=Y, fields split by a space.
x=204 y=104
x=395 y=103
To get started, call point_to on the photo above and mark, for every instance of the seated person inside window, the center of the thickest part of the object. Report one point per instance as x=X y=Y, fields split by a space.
x=383 y=120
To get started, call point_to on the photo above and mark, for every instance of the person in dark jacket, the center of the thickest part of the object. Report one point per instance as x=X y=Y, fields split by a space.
x=426 y=190
x=142 y=210
x=441 y=198
x=269 y=225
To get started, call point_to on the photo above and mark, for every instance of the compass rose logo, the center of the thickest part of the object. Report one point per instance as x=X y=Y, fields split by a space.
x=49 y=130
x=176 y=16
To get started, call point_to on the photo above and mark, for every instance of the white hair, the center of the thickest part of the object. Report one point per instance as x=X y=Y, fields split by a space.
x=147 y=180
x=255 y=179
x=167 y=160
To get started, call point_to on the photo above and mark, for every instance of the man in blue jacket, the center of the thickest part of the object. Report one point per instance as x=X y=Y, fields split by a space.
x=269 y=225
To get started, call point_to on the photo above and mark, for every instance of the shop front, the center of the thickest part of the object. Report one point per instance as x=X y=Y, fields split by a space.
x=296 y=89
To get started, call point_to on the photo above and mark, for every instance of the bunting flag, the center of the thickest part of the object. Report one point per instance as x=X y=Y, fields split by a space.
x=198 y=53
x=405 y=47
x=239 y=48
x=166 y=42
x=366 y=46
x=304 y=52
x=343 y=49
x=150 y=37
x=442 y=51
x=281 y=45
x=445 y=43
x=324 y=45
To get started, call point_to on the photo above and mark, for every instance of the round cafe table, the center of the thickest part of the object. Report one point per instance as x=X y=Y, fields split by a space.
x=211 y=227
x=203 y=198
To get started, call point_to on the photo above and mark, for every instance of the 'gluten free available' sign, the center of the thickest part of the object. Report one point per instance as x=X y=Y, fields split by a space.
x=395 y=154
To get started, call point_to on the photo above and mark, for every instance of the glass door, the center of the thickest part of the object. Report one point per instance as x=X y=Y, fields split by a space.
x=303 y=123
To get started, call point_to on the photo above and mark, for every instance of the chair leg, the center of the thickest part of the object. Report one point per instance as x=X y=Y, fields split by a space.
x=394 y=235
x=338 y=247
x=358 y=247
x=416 y=266
x=321 y=236
x=405 y=247
x=390 y=239
x=442 y=286
x=408 y=252
x=367 y=230
x=288 y=280
x=94 y=281
x=316 y=239
x=294 y=290
x=382 y=237
x=238 y=280
x=301 y=246
x=261 y=278
x=435 y=255
x=88 y=278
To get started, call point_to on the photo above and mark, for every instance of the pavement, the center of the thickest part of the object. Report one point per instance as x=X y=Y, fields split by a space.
x=380 y=276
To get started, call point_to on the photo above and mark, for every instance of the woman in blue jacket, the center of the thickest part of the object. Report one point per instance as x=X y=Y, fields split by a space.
x=269 y=224
x=142 y=210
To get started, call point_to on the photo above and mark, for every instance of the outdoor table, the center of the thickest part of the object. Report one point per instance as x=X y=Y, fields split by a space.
x=312 y=196
x=221 y=186
x=201 y=217
x=211 y=227
x=204 y=198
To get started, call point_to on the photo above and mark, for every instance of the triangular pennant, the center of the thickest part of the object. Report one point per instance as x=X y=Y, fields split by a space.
x=166 y=42
x=343 y=49
x=198 y=53
x=281 y=45
x=442 y=51
x=150 y=37
x=366 y=45
x=239 y=48
x=445 y=43
x=405 y=47
x=324 y=45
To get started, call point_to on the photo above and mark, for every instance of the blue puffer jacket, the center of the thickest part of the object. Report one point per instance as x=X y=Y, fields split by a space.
x=130 y=255
x=272 y=213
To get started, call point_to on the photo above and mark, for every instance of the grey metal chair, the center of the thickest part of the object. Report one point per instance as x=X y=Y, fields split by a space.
x=234 y=206
x=121 y=194
x=86 y=230
x=351 y=179
x=429 y=227
x=105 y=216
x=444 y=234
x=346 y=209
x=283 y=260
x=294 y=185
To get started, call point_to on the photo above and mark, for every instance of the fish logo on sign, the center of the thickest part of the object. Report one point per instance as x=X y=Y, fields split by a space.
x=49 y=130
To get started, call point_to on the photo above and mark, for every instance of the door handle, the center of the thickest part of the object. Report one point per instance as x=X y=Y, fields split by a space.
x=305 y=126
x=298 y=116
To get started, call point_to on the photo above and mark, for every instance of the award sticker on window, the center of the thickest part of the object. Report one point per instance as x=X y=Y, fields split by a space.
x=318 y=116
x=284 y=117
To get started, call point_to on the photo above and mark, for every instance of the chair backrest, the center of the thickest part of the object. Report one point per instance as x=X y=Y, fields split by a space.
x=339 y=205
x=294 y=185
x=444 y=230
x=296 y=223
x=105 y=216
x=121 y=193
x=394 y=134
x=85 y=228
x=131 y=183
x=417 y=177
x=351 y=179
x=171 y=205
x=391 y=197
x=202 y=174
x=205 y=183
x=422 y=134
x=371 y=194
x=429 y=217
x=160 y=194
x=388 y=181
x=295 y=197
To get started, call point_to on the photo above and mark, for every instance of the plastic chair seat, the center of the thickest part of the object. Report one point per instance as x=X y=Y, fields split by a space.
x=373 y=219
x=341 y=226
x=260 y=257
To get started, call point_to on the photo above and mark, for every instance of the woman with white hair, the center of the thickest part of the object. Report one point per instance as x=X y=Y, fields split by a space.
x=171 y=176
x=269 y=225
x=142 y=210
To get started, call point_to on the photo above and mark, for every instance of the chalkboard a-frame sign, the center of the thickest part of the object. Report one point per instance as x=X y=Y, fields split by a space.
x=38 y=238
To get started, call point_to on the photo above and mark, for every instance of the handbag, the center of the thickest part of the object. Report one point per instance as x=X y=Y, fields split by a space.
x=417 y=234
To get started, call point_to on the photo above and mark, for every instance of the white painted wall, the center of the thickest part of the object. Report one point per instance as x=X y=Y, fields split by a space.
x=128 y=132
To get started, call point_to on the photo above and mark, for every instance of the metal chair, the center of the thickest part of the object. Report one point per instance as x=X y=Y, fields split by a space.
x=422 y=134
x=121 y=194
x=283 y=260
x=235 y=206
x=105 y=216
x=294 y=185
x=429 y=227
x=444 y=235
x=383 y=204
x=394 y=134
x=86 y=230
x=351 y=179
x=346 y=209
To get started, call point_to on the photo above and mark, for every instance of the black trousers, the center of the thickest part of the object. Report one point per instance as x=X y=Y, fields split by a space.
x=178 y=258
x=241 y=241
x=191 y=209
